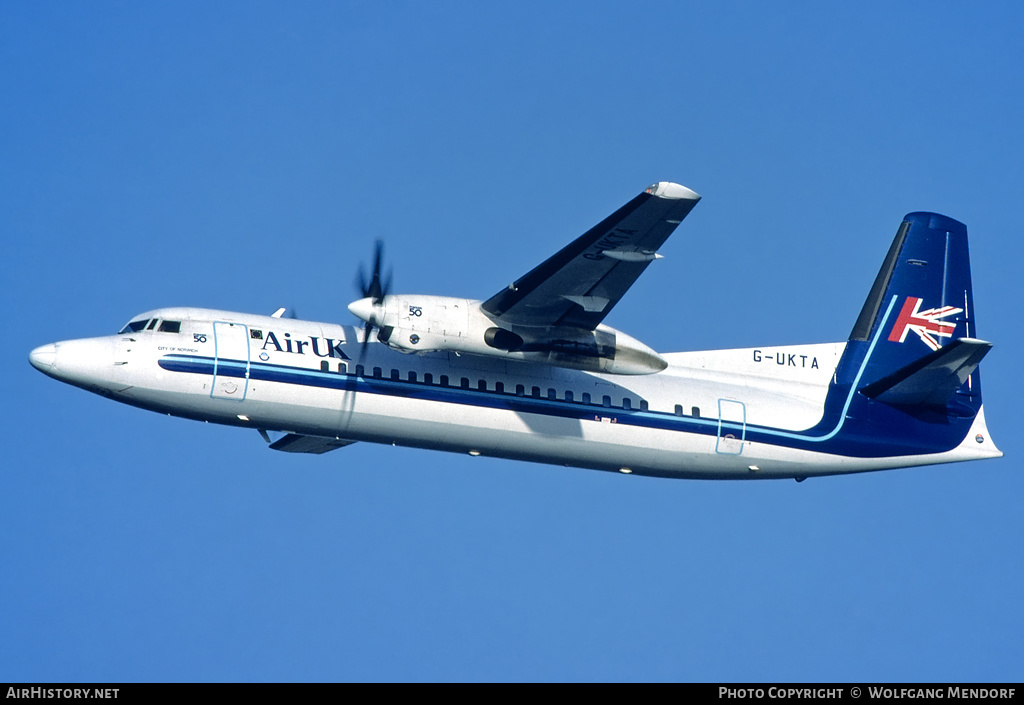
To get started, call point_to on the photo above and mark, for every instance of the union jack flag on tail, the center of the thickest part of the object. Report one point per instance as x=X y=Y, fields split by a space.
x=926 y=324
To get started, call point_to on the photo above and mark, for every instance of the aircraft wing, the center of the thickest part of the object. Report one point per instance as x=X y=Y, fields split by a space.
x=580 y=284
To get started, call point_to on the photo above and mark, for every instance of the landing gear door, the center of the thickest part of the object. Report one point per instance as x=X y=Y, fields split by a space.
x=231 y=361
x=732 y=427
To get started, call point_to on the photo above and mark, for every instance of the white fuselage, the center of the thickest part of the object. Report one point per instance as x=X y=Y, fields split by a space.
x=317 y=379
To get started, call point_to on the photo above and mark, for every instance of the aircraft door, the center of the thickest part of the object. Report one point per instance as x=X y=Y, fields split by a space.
x=732 y=427
x=231 y=361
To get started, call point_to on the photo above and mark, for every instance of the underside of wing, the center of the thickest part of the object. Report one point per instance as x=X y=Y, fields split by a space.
x=580 y=284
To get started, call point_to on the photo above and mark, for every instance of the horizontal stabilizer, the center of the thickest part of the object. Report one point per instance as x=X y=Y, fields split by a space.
x=933 y=379
x=295 y=443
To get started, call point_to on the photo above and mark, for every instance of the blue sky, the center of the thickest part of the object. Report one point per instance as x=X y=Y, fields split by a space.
x=245 y=155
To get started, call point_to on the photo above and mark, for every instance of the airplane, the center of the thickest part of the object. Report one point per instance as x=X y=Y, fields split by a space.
x=533 y=373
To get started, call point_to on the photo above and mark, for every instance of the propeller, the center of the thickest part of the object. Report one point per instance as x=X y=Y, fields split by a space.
x=373 y=289
x=376 y=288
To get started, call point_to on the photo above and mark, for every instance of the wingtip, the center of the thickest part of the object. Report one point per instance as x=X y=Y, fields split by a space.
x=667 y=189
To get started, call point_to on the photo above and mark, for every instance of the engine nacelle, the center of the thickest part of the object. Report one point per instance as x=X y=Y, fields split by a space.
x=419 y=324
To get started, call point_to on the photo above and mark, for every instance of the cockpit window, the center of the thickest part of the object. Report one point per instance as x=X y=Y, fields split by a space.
x=171 y=326
x=135 y=326
x=152 y=325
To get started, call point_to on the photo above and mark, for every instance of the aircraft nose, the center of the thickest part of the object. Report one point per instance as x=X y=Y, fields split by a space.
x=44 y=357
x=88 y=362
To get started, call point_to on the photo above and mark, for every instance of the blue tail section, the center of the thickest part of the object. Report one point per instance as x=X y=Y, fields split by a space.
x=914 y=346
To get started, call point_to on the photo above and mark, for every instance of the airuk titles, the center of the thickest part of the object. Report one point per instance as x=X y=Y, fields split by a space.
x=321 y=347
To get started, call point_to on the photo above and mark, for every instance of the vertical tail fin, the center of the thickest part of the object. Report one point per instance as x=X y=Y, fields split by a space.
x=899 y=351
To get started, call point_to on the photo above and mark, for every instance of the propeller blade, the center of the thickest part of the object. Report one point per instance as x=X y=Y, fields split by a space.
x=371 y=286
x=374 y=287
x=367 y=330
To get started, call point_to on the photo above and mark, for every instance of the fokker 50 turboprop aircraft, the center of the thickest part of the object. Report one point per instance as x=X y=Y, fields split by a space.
x=532 y=373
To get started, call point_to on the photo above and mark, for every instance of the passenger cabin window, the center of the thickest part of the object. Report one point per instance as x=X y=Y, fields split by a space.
x=499 y=387
x=586 y=397
x=643 y=405
x=520 y=390
x=626 y=404
x=360 y=370
x=377 y=373
x=412 y=376
x=696 y=412
x=535 y=392
x=482 y=385
x=395 y=375
x=170 y=327
x=568 y=395
x=552 y=394
x=428 y=378
x=342 y=367
x=606 y=401
x=325 y=366
x=679 y=409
